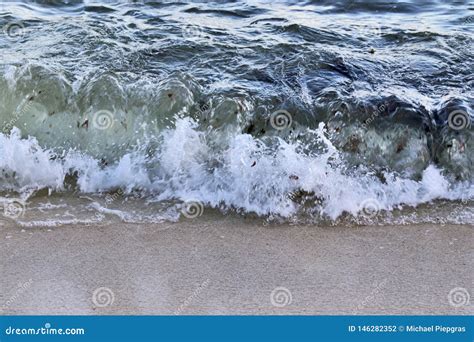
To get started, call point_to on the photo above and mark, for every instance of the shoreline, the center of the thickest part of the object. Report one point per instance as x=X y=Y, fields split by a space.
x=231 y=265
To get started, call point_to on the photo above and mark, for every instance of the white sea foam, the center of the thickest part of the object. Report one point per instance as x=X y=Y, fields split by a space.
x=242 y=173
x=24 y=164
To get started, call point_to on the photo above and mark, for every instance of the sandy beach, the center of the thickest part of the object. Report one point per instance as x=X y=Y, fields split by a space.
x=232 y=265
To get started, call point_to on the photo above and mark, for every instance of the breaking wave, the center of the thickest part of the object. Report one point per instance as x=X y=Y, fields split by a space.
x=257 y=114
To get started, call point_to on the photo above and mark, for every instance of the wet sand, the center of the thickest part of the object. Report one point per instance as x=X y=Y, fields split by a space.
x=230 y=265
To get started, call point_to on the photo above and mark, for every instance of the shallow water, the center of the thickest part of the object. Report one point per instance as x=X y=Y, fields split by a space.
x=320 y=111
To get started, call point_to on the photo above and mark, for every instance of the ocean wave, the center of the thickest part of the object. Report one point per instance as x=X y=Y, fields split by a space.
x=243 y=174
x=334 y=109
